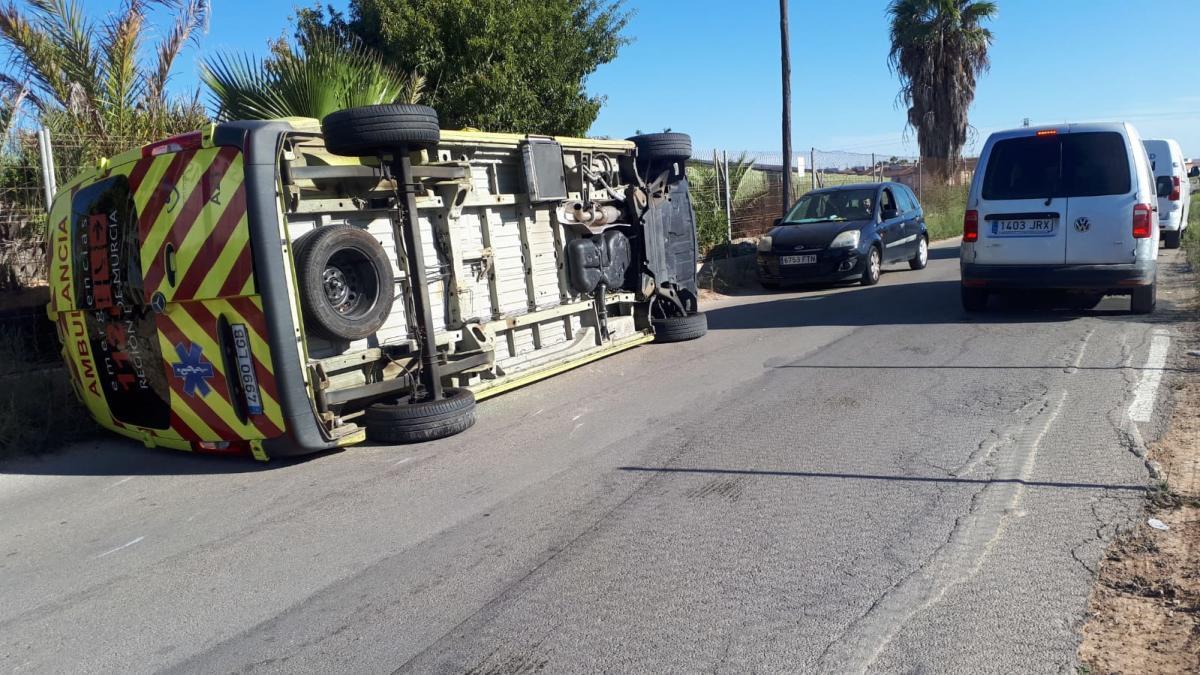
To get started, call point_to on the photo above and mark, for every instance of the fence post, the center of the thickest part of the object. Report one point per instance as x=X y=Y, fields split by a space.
x=812 y=159
x=920 y=181
x=728 y=207
x=46 y=152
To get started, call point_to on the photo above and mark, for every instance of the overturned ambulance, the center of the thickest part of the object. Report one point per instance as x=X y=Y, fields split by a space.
x=285 y=287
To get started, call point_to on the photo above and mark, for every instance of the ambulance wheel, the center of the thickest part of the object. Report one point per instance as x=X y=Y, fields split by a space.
x=346 y=282
x=405 y=421
x=373 y=129
x=680 y=328
x=664 y=146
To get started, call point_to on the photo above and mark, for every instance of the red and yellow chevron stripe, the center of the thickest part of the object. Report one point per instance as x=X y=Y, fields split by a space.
x=192 y=207
x=213 y=416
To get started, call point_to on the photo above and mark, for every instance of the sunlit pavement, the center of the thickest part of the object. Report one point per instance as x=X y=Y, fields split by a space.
x=831 y=480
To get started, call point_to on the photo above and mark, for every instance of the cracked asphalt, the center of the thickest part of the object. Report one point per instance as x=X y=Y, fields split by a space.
x=837 y=480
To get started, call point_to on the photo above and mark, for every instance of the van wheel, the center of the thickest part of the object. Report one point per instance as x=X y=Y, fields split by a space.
x=1144 y=299
x=406 y=421
x=664 y=146
x=974 y=299
x=346 y=282
x=680 y=328
x=1170 y=239
x=372 y=129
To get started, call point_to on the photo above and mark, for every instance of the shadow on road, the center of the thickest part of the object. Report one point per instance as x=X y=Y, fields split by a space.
x=867 y=476
x=122 y=458
x=930 y=302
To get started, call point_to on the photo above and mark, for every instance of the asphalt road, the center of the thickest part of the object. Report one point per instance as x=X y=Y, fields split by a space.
x=856 y=479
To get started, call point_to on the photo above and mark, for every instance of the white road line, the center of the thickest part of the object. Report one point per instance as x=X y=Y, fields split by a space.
x=1146 y=392
x=123 y=480
x=122 y=546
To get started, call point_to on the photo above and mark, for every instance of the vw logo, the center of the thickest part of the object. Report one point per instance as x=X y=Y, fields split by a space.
x=1082 y=224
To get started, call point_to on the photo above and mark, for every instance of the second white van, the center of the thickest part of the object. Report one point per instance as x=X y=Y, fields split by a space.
x=1168 y=163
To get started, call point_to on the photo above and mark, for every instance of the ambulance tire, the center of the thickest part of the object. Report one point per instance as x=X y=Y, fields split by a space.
x=346 y=282
x=680 y=328
x=405 y=421
x=665 y=146
x=377 y=129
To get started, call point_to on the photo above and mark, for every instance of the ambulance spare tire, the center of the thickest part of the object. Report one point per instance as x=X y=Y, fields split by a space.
x=346 y=282
x=406 y=421
x=665 y=146
x=375 y=129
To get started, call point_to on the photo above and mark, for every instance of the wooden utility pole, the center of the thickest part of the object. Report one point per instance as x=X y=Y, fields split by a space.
x=786 y=63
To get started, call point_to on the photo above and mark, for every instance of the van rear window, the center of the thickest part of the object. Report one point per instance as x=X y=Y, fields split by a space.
x=1086 y=164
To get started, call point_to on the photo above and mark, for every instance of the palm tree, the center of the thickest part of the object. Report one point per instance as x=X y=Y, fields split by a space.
x=98 y=80
x=939 y=48
x=324 y=72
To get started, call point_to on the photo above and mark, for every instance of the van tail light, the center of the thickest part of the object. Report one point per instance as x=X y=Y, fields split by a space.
x=971 y=226
x=1175 y=188
x=188 y=141
x=1142 y=223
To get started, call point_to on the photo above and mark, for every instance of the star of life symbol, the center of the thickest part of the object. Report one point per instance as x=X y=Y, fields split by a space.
x=193 y=369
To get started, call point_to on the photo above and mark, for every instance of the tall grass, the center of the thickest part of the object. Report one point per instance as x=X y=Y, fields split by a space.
x=944 y=207
x=1191 y=237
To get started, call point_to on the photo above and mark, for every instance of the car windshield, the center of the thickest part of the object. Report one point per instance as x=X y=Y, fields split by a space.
x=838 y=205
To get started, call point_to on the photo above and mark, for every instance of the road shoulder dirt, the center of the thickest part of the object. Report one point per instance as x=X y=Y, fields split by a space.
x=1144 y=612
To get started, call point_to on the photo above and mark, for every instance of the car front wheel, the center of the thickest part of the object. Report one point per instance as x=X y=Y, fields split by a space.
x=874 y=268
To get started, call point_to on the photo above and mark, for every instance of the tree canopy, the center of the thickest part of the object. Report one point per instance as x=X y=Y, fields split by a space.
x=496 y=65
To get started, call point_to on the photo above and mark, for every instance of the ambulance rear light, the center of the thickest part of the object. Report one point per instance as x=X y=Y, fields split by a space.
x=189 y=141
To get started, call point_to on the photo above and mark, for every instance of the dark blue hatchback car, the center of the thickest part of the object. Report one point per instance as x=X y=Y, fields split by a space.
x=842 y=233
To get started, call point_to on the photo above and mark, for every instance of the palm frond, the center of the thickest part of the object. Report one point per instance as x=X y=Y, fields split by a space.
x=191 y=20
x=328 y=72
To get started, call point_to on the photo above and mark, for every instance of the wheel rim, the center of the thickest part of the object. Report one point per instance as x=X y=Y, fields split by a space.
x=874 y=264
x=923 y=251
x=338 y=289
x=350 y=283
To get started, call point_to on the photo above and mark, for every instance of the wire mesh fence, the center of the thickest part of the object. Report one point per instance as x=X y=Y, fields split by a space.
x=24 y=180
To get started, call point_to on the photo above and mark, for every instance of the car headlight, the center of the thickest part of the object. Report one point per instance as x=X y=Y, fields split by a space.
x=848 y=239
x=764 y=243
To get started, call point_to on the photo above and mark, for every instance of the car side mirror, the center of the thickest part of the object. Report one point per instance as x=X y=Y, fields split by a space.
x=1165 y=186
x=777 y=222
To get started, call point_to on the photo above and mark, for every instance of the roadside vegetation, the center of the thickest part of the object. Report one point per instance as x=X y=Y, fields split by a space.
x=39 y=411
x=1191 y=236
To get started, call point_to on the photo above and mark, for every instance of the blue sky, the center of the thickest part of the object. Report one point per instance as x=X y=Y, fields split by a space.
x=711 y=68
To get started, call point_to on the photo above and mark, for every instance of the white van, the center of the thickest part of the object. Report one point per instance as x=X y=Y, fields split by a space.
x=1064 y=208
x=1166 y=159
